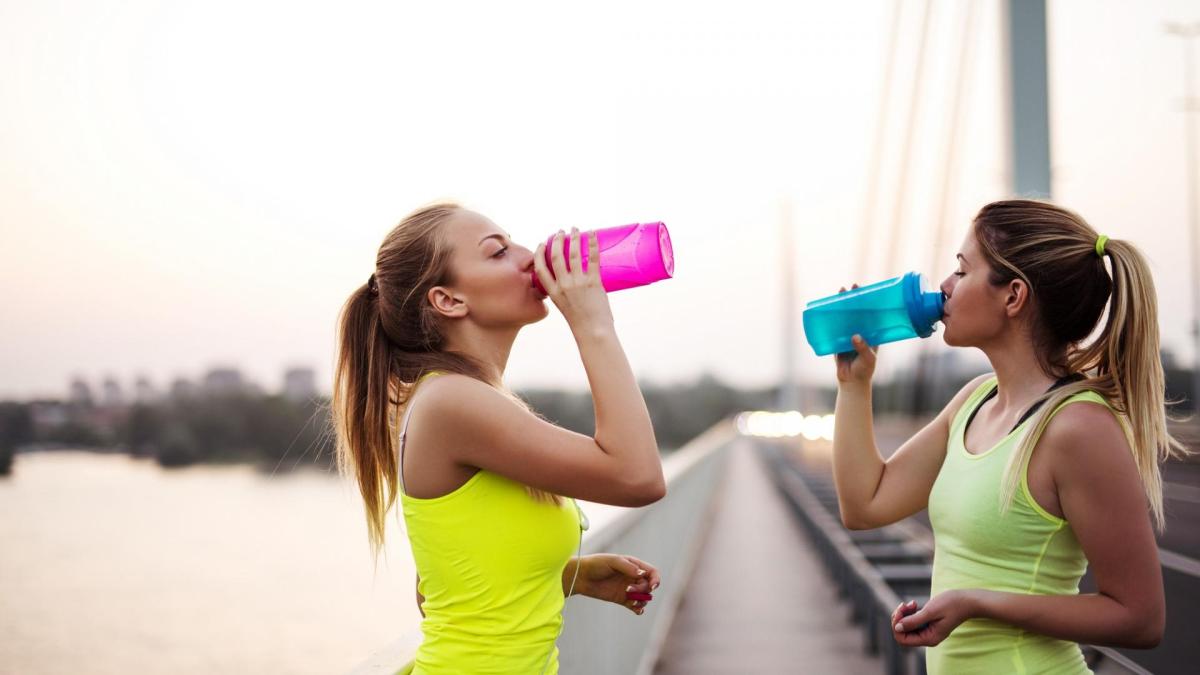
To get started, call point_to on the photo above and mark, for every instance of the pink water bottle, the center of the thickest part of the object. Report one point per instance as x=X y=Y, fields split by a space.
x=630 y=255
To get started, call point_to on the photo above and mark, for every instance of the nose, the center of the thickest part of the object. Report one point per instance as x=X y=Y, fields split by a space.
x=524 y=257
x=948 y=286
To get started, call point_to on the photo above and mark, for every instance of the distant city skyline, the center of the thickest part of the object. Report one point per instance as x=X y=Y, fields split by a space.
x=165 y=205
x=297 y=383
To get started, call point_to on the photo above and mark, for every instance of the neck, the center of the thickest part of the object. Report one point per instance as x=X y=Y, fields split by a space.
x=1019 y=374
x=489 y=347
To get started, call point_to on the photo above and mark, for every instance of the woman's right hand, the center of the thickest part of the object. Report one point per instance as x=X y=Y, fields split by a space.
x=579 y=295
x=856 y=367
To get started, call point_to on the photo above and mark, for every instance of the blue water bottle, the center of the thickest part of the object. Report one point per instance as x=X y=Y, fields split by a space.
x=896 y=309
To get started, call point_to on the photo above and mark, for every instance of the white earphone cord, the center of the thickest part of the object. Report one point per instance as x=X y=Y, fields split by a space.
x=574 y=578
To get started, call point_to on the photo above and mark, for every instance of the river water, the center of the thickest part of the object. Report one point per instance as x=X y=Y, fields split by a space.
x=110 y=564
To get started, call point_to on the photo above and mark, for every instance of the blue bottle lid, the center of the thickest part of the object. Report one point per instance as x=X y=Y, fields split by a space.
x=924 y=307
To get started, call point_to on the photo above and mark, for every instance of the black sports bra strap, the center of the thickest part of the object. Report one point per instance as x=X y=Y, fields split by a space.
x=1074 y=377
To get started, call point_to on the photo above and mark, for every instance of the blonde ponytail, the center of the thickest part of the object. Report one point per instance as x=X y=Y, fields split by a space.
x=1061 y=258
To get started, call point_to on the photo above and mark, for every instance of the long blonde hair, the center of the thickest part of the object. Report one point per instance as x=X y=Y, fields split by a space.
x=389 y=336
x=1055 y=252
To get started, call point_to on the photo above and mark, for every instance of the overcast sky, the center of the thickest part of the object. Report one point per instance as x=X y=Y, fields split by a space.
x=185 y=185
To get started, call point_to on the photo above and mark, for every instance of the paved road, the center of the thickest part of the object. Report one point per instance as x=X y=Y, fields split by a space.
x=759 y=600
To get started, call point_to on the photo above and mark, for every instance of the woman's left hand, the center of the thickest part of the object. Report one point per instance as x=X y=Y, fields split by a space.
x=927 y=626
x=621 y=579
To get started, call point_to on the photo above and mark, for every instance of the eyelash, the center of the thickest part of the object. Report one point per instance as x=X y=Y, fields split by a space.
x=499 y=253
x=960 y=274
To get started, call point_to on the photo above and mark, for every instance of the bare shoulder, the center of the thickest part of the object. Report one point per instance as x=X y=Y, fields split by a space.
x=462 y=409
x=445 y=388
x=456 y=398
x=1085 y=437
x=1099 y=486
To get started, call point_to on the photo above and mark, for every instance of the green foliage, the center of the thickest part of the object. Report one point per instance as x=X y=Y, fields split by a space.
x=16 y=429
x=279 y=434
x=143 y=429
x=271 y=431
x=76 y=433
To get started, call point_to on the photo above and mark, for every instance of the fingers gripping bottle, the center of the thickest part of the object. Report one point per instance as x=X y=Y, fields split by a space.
x=630 y=255
x=896 y=309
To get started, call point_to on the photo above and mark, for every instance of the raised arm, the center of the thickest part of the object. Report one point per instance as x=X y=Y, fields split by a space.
x=873 y=492
x=476 y=425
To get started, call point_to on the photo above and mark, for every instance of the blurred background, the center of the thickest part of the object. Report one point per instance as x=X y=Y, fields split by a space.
x=190 y=191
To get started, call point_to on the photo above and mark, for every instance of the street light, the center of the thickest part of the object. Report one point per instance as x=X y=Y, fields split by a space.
x=1189 y=32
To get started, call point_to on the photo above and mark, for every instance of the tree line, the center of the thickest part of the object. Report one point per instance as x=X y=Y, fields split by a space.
x=278 y=434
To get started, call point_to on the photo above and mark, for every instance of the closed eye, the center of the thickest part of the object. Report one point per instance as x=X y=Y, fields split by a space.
x=500 y=253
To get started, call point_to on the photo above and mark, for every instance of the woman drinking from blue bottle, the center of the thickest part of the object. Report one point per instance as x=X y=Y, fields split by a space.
x=1037 y=471
x=486 y=486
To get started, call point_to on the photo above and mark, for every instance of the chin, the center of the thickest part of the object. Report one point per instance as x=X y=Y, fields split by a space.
x=538 y=313
x=953 y=339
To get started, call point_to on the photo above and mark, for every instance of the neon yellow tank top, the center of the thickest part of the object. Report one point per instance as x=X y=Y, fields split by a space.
x=490 y=558
x=1026 y=550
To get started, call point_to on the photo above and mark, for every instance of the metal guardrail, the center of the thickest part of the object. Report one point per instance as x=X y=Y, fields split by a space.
x=858 y=579
x=603 y=638
x=1107 y=661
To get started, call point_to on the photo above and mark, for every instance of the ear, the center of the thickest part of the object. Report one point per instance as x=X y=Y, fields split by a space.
x=1016 y=297
x=447 y=303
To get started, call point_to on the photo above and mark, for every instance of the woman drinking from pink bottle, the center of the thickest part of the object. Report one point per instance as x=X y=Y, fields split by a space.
x=486 y=486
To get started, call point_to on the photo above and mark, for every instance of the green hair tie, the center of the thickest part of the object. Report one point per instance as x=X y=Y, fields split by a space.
x=1100 y=245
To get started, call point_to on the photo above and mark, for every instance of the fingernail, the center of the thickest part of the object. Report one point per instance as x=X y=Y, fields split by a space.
x=641 y=572
x=629 y=589
x=654 y=585
x=899 y=628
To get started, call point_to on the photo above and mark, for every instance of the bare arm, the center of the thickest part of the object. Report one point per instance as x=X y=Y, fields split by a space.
x=623 y=429
x=1103 y=499
x=475 y=425
x=873 y=492
x=620 y=579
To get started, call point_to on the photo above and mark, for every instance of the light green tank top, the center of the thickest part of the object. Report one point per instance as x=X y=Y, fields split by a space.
x=490 y=557
x=1026 y=550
